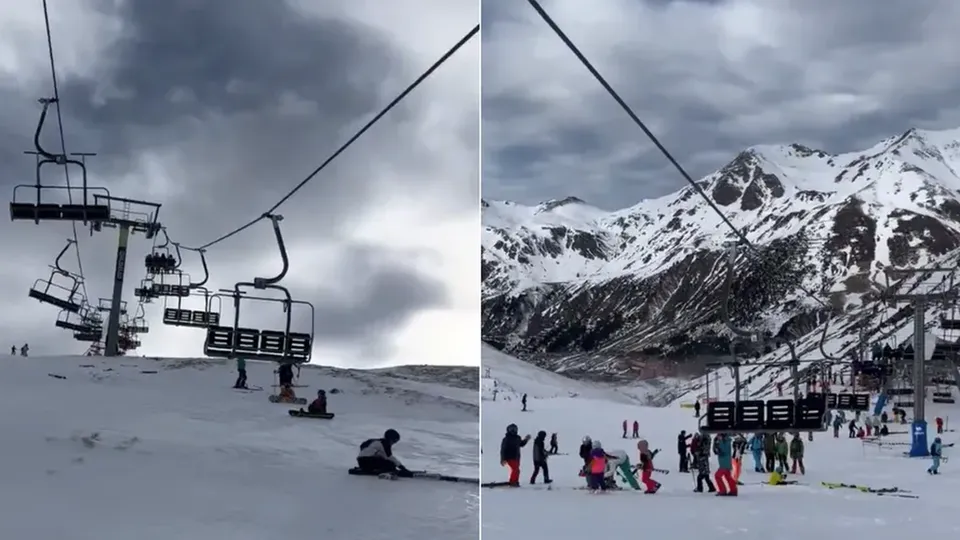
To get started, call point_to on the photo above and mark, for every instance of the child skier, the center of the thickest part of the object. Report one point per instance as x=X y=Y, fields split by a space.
x=723 y=448
x=756 y=448
x=597 y=468
x=510 y=453
x=646 y=467
x=936 y=451
x=700 y=448
x=540 y=459
x=739 y=448
x=796 y=454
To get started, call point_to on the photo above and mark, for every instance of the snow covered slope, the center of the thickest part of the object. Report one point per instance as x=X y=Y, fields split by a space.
x=760 y=512
x=601 y=291
x=111 y=449
x=506 y=378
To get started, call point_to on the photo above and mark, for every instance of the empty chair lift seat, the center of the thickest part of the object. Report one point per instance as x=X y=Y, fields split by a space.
x=257 y=344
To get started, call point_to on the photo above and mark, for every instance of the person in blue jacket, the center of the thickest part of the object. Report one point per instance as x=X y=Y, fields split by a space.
x=723 y=448
x=756 y=448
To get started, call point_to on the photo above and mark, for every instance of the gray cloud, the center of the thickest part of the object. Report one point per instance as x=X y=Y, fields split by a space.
x=709 y=78
x=216 y=114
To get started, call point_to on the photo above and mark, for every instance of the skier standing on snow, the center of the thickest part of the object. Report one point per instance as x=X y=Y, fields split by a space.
x=624 y=429
x=796 y=454
x=523 y=402
x=936 y=451
x=756 y=449
x=241 y=383
x=770 y=451
x=636 y=429
x=540 y=459
x=739 y=448
x=376 y=456
x=682 y=450
x=646 y=467
x=554 y=449
x=510 y=452
x=585 y=447
x=700 y=448
x=723 y=448
x=696 y=408
x=782 y=450
x=939 y=422
x=596 y=469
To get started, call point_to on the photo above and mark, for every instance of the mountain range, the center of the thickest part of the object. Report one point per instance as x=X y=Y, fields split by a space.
x=586 y=291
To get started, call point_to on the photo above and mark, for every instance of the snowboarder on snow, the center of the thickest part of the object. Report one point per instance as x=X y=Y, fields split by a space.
x=241 y=383
x=510 y=453
x=554 y=448
x=286 y=394
x=319 y=405
x=540 y=459
x=682 y=450
x=376 y=456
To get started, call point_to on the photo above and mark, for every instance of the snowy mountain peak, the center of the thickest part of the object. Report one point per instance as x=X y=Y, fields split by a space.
x=569 y=278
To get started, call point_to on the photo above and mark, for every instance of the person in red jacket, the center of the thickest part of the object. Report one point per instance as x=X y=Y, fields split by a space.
x=636 y=429
x=939 y=425
x=646 y=467
x=510 y=453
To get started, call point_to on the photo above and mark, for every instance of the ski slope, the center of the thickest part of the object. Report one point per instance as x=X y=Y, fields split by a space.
x=761 y=512
x=110 y=452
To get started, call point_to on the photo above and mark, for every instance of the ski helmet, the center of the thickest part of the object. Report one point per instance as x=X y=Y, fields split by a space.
x=512 y=429
x=392 y=436
x=597 y=444
x=586 y=439
x=321 y=392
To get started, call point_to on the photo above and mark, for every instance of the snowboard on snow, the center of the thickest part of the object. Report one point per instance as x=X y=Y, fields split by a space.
x=296 y=401
x=300 y=413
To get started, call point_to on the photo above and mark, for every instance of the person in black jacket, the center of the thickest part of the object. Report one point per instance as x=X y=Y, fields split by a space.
x=540 y=459
x=510 y=452
x=682 y=450
x=554 y=448
x=585 y=448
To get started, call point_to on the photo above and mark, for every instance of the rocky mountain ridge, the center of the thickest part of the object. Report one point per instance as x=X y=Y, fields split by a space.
x=599 y=293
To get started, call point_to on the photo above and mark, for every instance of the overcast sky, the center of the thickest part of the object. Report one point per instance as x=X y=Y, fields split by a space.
x=710 y=78
x=215 y=113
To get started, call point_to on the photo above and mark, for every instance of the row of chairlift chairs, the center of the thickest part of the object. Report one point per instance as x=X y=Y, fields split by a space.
x=62 y=289
x=809 y=413
x=224 y=341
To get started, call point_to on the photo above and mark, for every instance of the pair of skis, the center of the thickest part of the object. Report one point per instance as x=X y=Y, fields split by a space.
x=422 y=475
x=887 y=492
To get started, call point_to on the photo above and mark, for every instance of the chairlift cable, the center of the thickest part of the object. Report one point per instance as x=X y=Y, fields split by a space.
x=63 y=144
x=424 y=76
x=650 y=135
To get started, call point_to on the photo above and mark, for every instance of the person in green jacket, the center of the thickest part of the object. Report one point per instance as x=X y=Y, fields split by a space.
x=781 y=451
x=796 y=454
x=241 y=383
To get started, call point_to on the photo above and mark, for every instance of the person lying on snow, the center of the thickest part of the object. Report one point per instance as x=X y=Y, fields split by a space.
x=319 y=405
x=376 y=456
x=779 y=478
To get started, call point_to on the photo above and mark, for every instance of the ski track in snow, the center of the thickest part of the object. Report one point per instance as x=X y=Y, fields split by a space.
x=760 y=512
x=119 y=454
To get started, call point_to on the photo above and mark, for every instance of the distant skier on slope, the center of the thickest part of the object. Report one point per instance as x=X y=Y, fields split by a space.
x=376 y=456
x=554 y=447
x=510 y=447
x=523 y=402
x=241 y=383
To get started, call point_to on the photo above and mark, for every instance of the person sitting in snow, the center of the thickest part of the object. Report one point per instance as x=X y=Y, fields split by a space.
x=319 y=405
x=376 y=456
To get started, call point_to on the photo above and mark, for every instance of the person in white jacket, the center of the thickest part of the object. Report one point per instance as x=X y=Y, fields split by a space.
x=376 y=456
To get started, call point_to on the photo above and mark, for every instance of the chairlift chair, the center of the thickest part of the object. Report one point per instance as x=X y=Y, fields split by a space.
x=281 y=346
x=38 y=209
x=64 y=320
x=178 y=316
x=179 y=290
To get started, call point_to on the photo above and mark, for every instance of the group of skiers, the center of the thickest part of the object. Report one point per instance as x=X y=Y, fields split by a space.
x=510 y=450
x=24 y=351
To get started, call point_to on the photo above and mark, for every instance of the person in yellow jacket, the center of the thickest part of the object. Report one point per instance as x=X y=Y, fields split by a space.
x=779 y=478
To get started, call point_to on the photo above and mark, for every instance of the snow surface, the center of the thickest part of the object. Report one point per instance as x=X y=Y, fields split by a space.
x=110 y=452
x=760 y=512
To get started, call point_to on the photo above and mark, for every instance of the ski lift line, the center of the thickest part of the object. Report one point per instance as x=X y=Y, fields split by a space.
x=366 y=127
x=63 y=144
x=650 y=135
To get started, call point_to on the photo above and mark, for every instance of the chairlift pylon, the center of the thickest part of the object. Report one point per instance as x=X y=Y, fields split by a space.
x=281 y=346
x=39 y=209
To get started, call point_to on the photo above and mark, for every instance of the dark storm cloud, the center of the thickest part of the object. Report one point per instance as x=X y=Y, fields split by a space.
x=216 y=113
x=710 y=79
